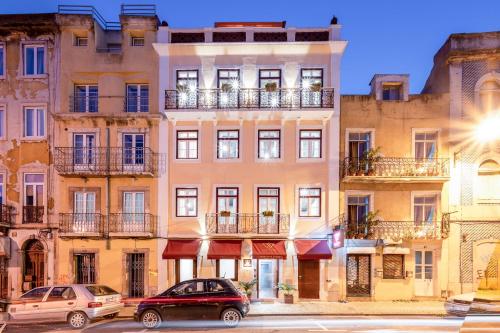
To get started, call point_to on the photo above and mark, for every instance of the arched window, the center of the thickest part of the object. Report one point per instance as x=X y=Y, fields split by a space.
x=488 y=182
x=489 y=96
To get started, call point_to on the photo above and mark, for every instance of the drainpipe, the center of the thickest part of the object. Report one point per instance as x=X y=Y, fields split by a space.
x=108 y=187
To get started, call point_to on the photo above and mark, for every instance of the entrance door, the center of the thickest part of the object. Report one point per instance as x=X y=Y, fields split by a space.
x=34 y=265
x=424 y=264
x=309 y=279
x=267 y=277
x=358 y=275
x=135 y=264
x=269 y=206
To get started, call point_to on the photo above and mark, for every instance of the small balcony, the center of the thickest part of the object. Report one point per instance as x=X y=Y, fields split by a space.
x=221 y=223
x=132 y=225
x=396 y=169
x=220 y=99
x=81 y=225
x=6 y=215
x=84 y=103
x=33 y=214
x=102 y=161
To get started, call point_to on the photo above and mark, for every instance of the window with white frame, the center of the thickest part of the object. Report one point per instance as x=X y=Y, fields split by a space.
x=33 y=208
x=310 y=143
x=187 y=88
x=228 y=82
x=424 y=209
x=137 y=98
x=309 y=202
x=186 y=202
x=2 y=57
x=270 y=85
x=137 y=41
x=81 y=41
x=269 y=142
x=487 y=185
x=358 y=144
x=133 y=211
x=34 y=122
x=426 y=145
x=227 y=269
x=228 y=144
x=86 y=98
x=2 y=122
x=84 y=219
x=34 y=60
x=489 y=96
x=187 y=145
x=311 y=84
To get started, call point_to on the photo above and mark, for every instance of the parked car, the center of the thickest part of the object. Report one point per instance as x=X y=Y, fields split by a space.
x=75 y=304
x=481 y=302
x=459 y=305
x=201 y=299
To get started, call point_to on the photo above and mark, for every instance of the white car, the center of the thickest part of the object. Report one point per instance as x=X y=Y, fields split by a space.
x=472 y=304
x=459 y=305
x=75 y=304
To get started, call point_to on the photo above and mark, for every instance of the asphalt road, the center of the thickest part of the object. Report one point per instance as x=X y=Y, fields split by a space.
x=267 y=324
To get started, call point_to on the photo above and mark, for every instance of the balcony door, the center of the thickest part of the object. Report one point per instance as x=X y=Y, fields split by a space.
x=227 y=209
x=228 y=82
x=133 y=150
x=268 y=201
x=33 y=198
x=84 y=219
x=424 y=269
x=84 y=153
x=311 y=85
x=358 y=207
x=269 y=88
x=133 y=212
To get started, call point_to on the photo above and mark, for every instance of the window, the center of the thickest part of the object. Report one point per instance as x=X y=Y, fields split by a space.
x=137 y=41
x=186 y=201
x=488 y=182
x=33 y=198
x=228 y=144
x=310 y=144
x=489 y=96
x=269 y=144
x=228 y=82
x=84 y=152
x=393 y=266
x=2 y=123
x=391 y=92
x=133 y=149
x=36 y=294
x=227 y=207
x=227 y=269
x=185 y=269
x=269 y=84
x=34 y=60
x=309 y=202
x=423 y=265
x=85 y=268
x=311 y=84
x=61 y=294
x=187 y=145
x=1 y=189
x=359 y=143
x=358 y=207
x=86 y=98
x=2 y=56
x=81 y=41
x=424 y=209
x=187 y=88
x=84 y=219
x=137 y=98
x=34 y=122
x=133 y=211
x=426 y=145
x=187 y=288
x=215 y=286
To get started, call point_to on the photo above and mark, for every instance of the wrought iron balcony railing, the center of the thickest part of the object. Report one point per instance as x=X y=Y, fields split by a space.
x=81 y=224
x=130 y=224
x=108 y=161
x=84 y=103
x=395 y=167
x=6 y=215
x=33 y=214
x=209 y=99
x=222 y=223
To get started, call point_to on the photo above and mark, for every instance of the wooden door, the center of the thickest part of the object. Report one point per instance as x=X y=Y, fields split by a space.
x=309 y=279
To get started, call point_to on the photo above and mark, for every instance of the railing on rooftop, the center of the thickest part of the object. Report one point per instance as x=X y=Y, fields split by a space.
x=138 y=10
x=88 y=10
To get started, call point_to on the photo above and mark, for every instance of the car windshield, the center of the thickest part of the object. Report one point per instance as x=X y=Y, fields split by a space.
x=101 y=290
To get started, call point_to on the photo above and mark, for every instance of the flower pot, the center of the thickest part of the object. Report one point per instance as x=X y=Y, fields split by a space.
x=288 y=299
x=225 y=87
x=225 y=213
x=270 y=86
x=316 y=87
x=268 y=213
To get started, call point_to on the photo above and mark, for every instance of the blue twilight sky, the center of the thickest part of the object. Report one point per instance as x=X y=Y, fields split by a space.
x=385 y=36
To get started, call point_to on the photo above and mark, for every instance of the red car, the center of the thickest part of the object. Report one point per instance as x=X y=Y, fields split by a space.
x=199 y=299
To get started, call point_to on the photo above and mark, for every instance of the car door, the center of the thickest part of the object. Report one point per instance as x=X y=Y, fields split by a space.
x=185 y=301
x=60 y=301
x=217 y=294
x=27 y=308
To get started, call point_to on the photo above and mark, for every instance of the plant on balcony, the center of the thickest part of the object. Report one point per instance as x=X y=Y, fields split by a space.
x=268 y=213
x=372 y=220
x=316 y=87
x=225 y=213
x=270 y=86
x=226 y=87
x=247 y=287
x=371 y=157
x=287 y=290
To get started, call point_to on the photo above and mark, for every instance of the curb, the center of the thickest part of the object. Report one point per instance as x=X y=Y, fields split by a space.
x=339 y=315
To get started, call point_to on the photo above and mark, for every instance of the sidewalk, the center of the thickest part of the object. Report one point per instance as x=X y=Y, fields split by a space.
x=433 y=308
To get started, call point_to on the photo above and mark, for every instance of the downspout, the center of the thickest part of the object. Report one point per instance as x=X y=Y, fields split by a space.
x=108 y=187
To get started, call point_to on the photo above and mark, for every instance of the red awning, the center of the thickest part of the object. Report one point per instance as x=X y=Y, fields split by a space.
x=312 y=249
x=268 y=249
x=224 y=249
x=181 y=249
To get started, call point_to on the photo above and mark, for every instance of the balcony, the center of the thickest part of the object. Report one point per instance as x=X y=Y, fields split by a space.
x=396 y=169
x=102 y=161
x=81 y=225
x=277 y=99
x=221 y=223
x=89 y=104
x=6 y=215
x=33 y=214
x=132 y=225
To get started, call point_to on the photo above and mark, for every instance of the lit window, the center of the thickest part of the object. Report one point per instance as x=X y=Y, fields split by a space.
x=310 y=144
x=187 y=88
x=391 y=92
x=81 y=41
x=86 y=98
x=311 y=85
x=186 y=202
x=34 y=122
x=34 y=60
x=269 y=144
x=137 y=41
x=137 y=98
x=186 y=269
x=228 y=84
x=2 y=71
x=426 y=145
x=187 y=145
x=424 y=209
x=488 y=182
x=309 y=202
x=227 y=269
x=270 y=85
x=393 y=266
x=228 y=143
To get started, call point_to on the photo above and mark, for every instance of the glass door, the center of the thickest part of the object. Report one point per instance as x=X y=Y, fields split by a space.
x=227 y=210
x=267 y=278
x=357 y=210
x=269 y=207
x=84 y=219
x=84 y=150
x=133 y=150
x=424 y=267
x=133 y=212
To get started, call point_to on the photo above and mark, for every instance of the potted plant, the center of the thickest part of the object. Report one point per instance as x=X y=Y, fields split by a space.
x=316 y=87
x=225 y=87
x=270 y=86
x=287 y=290
x=268 y=213
x=225 y=213
x=247 y=287
x=370 y=158
x=372 y=220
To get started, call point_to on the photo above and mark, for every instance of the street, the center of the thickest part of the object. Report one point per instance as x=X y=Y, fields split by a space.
x=265 y=324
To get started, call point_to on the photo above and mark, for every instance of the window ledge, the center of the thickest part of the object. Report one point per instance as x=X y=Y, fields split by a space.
x=33 y=77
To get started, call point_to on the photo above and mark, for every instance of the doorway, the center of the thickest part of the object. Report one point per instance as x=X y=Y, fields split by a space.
x=424 y=271
x=135 y=265
x=267 y=276
x=358 y=275
x=33 y=265
x=309 y=279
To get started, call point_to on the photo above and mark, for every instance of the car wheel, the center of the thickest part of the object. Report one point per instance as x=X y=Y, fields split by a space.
x=231 y=317
x=150 y=319
x=111 y=316
x=78 y=320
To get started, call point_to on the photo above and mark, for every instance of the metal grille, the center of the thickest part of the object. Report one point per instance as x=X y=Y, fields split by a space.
x=33 y=214
x=358 y=275
x=311 y=36
x=247 y=223
x=396 y=167
x=136 y=274
x=85 y=268
x=393 y=266
x=187 y=37
x=229 y=37
x=270 y=36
